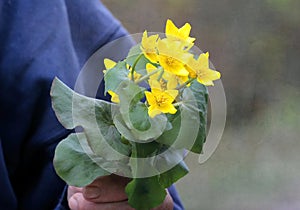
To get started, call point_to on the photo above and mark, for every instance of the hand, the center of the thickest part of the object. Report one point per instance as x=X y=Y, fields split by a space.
x=106 y=193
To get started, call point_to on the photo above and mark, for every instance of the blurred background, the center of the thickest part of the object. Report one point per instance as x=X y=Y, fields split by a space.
x=255 y=45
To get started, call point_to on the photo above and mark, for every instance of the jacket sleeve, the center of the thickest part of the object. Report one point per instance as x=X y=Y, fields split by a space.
x=41 y=39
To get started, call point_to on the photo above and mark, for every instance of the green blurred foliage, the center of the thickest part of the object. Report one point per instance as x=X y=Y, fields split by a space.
x=255 y=167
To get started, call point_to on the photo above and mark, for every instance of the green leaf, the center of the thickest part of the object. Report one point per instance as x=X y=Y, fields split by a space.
x=127 y=121
x=62 y=103
x=145 y=193
x=138 y=114
x=147 y=189
x=94 y=116
x=189 y=123
x=108 y=129
x=142 y=159
x=133 y=54
x=170 y=135
x=174 y=174
x=144 y=150
x=72 y=163
x=201 y=95
x=114 y=76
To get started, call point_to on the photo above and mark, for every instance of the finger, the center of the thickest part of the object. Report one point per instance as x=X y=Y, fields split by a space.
x=78 y=202
x=72 y=190
x=106 y=189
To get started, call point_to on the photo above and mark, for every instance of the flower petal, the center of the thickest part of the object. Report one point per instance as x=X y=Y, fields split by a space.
x=108 y=63
x=150 y=98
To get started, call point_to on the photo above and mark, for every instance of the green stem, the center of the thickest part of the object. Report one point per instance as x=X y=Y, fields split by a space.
x=178 y=103
x=134 y=65
x=147 y=76
x=185 y=83
x=134 y=155
x=161 y=74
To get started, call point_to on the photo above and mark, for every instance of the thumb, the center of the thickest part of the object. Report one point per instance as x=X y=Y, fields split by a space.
x=106 y=189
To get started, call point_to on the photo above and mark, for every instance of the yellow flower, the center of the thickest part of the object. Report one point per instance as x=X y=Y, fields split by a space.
x=179 y=34
x=108 y=64
x=161 y=101
x=172 y=57
x=200 y=68
x=114 y=97
x=166 y=82
x=172 y=80
x=151 y=68
x=148 y=46
x=189 y=65
x=175 y=79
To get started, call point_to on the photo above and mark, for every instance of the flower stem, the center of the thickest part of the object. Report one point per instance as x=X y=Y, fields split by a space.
x=147 y=76
x=178 y=103
x=185 y=83
x=134 y=65
x=160 y=75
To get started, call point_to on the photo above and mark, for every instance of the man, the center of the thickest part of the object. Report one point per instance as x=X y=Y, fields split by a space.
x=39 y=40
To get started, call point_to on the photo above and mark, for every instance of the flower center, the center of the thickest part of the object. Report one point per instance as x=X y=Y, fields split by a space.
x=201 y=74
x=160 y=100
x=170 y=61
x=163 y=84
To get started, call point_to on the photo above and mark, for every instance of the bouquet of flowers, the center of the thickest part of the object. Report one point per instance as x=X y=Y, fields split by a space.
x=157 y=112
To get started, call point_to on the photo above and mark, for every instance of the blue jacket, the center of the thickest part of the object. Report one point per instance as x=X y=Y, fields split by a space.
x=41 y=39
